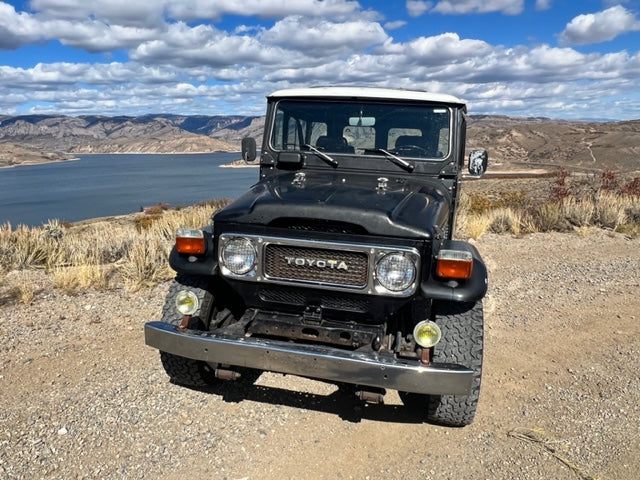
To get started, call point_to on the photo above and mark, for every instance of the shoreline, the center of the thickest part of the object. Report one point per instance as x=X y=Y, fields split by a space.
x=24 y=164
x=42 y=162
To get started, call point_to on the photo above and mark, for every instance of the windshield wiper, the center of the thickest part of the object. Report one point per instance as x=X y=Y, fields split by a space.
x=401 y=162
x=321 y=154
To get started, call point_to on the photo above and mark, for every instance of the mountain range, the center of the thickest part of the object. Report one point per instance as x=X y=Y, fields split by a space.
x=512 y=142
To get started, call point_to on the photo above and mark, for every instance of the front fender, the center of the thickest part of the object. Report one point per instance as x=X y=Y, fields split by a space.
x=470 y=290
x=205 y=264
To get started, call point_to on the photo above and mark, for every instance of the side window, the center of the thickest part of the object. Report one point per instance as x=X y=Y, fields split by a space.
x=443 y=141
x=289 y=134
x=292 y=137
x=318 y=129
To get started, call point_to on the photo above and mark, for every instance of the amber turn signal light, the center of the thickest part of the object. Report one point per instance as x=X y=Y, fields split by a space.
x=455 y=264
x=190 y=240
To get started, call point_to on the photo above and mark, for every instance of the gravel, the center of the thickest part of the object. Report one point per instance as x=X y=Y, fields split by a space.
x=83 y=397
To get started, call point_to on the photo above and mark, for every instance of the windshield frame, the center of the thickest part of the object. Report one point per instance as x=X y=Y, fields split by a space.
x=381 y=135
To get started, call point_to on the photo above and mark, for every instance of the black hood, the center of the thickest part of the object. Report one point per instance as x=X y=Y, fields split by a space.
x=413 y=208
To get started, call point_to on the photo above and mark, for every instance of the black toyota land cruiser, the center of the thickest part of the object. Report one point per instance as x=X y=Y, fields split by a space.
x=339 y=263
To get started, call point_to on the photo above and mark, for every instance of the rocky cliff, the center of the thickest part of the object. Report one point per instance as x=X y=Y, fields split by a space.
x=513 y=143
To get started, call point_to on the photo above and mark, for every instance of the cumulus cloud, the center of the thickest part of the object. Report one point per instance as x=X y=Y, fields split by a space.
x=415 y=8
x=543 y=4
x=198 y=67
x=599 y=27
x=323 y=37
x=394 y=24
x=16 y=29
x=191 y=9
x=185 y=46
x=508 y=7
x=148 y=13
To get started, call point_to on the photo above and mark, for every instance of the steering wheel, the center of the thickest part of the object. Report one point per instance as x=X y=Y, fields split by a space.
x=411 y=150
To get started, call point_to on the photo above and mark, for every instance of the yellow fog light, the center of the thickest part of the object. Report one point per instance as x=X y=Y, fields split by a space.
x=427 y=333
x=187 y=302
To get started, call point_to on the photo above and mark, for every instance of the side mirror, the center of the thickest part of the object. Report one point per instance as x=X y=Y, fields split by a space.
x=248 y=149
x=478 y=161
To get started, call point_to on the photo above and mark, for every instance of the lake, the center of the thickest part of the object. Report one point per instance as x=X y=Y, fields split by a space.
x=99 y=185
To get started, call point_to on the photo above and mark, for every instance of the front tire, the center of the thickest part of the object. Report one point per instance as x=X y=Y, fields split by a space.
x=181 y=370
x=462 y=326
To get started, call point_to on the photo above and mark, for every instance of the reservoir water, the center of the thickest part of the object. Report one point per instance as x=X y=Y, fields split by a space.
x=100 y=185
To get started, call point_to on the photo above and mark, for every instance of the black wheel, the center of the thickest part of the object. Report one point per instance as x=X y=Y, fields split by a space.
x=462 y=327
x=186 y=371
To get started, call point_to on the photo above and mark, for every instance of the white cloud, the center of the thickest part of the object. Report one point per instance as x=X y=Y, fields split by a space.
x=147 y=13
x=508 y=7
x=543 y=4
x=198 y=67
x=415 y=8
x=16 y=28
x=214 y=9
x=394 y=24
x=323 y=38
x=185 y=46
x=599 y=27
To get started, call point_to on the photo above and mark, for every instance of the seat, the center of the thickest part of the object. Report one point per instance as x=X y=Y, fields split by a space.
x=334 y=144
x=416 y=140
x=421 y=148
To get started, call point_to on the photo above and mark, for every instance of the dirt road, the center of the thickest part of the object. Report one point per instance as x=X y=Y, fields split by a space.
x=82 y=397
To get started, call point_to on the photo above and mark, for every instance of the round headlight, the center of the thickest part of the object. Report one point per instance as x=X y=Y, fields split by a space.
x=395 y=272
x=239 y=255
x=187 y=302
x=427 y=333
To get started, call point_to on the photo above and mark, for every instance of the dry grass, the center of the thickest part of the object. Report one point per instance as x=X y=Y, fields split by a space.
x=97 y=255
x=602 y=201
x=133 y=252
x=476 y=224
x=146 y=263
x=578 y=212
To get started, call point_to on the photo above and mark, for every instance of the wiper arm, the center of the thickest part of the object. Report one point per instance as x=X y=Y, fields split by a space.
x=321 y=154
x=401 y=162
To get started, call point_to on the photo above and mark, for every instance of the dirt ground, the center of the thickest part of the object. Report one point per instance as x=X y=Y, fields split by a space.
x=83 y=397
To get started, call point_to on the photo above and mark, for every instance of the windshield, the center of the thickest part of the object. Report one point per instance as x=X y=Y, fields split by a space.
x=363 y=128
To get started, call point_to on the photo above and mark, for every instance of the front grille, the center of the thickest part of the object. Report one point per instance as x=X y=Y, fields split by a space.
x=332 y=302
x=316 y=265
x=282 y=296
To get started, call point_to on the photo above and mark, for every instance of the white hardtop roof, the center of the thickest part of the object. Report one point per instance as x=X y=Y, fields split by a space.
x=366 y=92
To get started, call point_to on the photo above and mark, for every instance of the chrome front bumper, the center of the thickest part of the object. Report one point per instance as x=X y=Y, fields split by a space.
x=327 y=363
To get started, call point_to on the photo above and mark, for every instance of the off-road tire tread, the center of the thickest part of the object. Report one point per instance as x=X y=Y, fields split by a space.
x=462 y=326
x=181 y=370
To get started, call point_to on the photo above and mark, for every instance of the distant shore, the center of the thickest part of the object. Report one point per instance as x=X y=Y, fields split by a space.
x=38 y=162
x=239 y=163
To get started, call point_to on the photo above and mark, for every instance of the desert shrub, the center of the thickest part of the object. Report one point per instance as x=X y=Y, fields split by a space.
x=53 y=229
x=559 y=188
x=632 y=187
x=610 y=209
x=578 y=212
x=25 y=247
x=548 y=217
x=505 y=220
x=146 y=263
x=477 y=224
x=478 y=203
x=609 y=181
x=73 y=278
x=144 y=222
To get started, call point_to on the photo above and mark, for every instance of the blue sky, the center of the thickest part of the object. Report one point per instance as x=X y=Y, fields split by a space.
x=574 y=59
